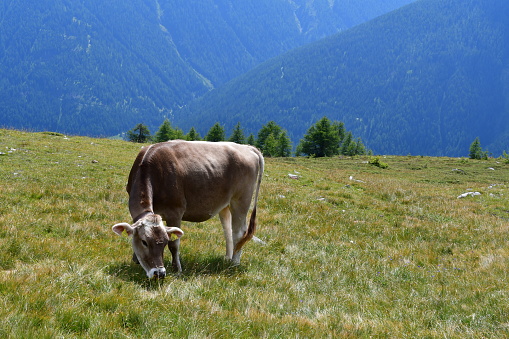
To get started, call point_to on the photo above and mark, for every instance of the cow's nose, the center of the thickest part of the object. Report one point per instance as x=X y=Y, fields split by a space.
x=160 y=274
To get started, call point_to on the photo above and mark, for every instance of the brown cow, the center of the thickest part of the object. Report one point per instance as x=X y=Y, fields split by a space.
x=192 y=181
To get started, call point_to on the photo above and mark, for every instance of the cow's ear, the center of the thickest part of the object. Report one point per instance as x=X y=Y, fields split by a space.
x=123 y=226
x=174 y=233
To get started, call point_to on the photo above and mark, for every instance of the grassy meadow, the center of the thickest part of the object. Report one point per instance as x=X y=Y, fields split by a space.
x=350 y=250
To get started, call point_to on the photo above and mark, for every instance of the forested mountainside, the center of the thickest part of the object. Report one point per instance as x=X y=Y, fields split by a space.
x=426 y=79
x=222 y=39
x=97 y=67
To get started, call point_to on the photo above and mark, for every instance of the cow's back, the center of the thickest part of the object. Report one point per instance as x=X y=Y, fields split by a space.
x=191 y=180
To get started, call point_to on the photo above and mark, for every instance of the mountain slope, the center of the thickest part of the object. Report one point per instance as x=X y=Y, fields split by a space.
x=80 y=68
x=99 y=67
x=241 y=34
x=425 y=79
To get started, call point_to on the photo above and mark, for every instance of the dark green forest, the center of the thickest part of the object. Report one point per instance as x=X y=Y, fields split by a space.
x=426 y=79
x=96 y=68
x=223 y=39
x=83 y=68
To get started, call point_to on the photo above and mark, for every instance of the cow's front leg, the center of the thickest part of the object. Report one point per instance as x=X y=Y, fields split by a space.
x=174 y=247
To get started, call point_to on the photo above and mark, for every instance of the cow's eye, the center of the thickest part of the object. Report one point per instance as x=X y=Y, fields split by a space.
x=144 y=243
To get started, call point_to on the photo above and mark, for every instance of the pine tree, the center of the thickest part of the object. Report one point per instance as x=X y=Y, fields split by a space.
x=178 y=134
x=345 y=144
x=270 y=128
x=475 y=149
x=216 y=133
x=325 y=139
x=360 y=149
x=340 y=128
x=321 y=140
x=273 y=141
x=165 y=132
x=351 y=149
x=238 y=135
x=270 y=146
x=251 y=140
x=284 y=145
x=140 y=133
x=192 y=135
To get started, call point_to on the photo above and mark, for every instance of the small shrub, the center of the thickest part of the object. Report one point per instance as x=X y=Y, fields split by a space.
x=376 y=162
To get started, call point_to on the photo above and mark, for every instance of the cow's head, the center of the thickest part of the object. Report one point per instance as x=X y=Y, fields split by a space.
x=149 y=237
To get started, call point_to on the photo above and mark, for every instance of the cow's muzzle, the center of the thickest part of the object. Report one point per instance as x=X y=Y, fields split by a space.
x=157 y=273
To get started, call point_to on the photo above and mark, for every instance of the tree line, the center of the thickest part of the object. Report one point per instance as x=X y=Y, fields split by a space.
x=325 y=138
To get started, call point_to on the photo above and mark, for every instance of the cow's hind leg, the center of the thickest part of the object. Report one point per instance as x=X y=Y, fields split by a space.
x=226 y=220
x=239 y=227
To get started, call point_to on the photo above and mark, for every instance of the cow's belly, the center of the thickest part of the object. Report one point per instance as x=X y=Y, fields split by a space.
x=196 y=217
x=200 y=215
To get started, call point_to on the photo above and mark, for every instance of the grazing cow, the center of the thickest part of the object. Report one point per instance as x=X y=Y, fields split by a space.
x=192 y=181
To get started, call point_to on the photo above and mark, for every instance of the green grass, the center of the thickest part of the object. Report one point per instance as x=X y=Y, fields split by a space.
x=392 y=253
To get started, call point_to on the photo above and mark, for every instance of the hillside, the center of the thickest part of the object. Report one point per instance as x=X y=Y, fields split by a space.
x=99 y=67
x=393 y=253
x=84 y=68
x=426 y=79
x=223 y=39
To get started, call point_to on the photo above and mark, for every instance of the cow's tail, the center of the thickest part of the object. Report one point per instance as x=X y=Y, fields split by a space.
x=252 y=220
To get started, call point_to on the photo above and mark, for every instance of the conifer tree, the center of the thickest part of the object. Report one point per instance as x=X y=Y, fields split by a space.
x=345 y=144
x=165 y=132
x=350 y=148
x=216 y=133
x=284 y=145
x=340 y=128
x=321 y=140
x=325 y=139
x=238 y=135
x=251 y=140
x=476 y=152
x=270 y=128
x=140 y=133
x=270 y=148
x=178 y=134
x=273 y=141
x=192 y=135
x=360 y=149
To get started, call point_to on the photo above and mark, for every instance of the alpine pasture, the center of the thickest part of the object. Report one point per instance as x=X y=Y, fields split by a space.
x=348 y=249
